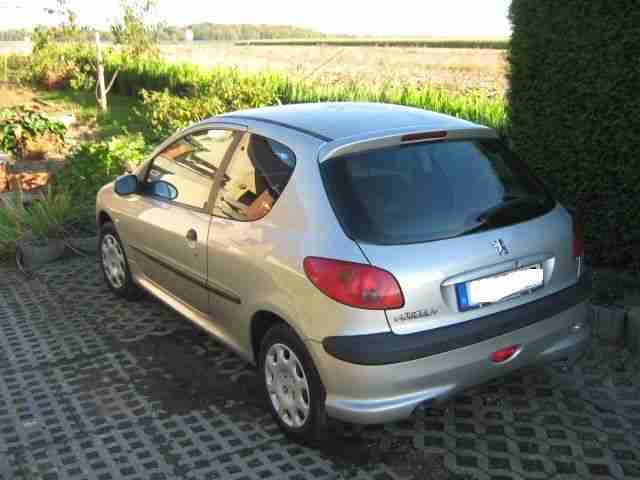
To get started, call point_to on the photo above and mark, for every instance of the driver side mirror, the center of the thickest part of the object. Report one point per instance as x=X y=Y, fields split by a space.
x=126 y=185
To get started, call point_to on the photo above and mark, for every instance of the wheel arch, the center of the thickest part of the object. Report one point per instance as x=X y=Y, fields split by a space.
x=261 y=322
x=103 y=217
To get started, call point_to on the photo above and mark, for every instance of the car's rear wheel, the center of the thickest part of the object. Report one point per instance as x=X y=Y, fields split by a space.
x=115 y=266
x=292 y=386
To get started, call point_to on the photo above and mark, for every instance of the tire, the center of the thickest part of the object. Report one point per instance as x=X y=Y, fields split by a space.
x=287 y=371
x=114 y=264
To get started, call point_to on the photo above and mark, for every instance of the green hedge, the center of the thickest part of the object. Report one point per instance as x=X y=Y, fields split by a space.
x=575 y=113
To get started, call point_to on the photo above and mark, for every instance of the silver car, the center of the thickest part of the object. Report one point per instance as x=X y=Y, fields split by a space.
x=366 y=257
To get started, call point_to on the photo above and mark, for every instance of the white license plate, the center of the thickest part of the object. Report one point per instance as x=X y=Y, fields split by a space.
x=500 y=287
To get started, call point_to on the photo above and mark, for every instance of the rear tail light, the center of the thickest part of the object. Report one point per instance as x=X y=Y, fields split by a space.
x=578 y=238
x=504 y=354
x=354 y=284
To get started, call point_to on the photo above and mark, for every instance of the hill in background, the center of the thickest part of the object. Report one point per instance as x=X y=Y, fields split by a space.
x=201 y=32
x=212 y=31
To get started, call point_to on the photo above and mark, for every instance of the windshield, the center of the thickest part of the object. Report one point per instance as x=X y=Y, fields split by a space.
x=429 y=191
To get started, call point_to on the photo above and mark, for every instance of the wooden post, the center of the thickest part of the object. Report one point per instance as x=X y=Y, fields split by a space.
x=101 y=96
x=6 y=68
x=4 y=174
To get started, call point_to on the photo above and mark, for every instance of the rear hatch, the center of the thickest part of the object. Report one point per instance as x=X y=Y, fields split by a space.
x=463 y=225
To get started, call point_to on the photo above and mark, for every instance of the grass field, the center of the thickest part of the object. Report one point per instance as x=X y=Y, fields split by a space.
x=498 y=43
x=460 y=70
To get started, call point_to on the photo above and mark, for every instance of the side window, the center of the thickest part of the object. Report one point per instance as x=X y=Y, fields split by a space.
x=184 y=172
x=255 y=178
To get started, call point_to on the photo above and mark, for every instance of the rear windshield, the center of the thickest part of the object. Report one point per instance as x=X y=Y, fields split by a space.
x=430 y=191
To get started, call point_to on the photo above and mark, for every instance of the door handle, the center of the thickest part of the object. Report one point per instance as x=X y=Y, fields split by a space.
x=192 y=236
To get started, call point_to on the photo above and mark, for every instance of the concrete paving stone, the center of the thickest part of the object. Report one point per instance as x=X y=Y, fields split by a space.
x=93 y=387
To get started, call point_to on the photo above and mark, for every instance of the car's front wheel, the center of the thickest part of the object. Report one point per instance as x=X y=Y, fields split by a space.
x=293 y=388
x=115 y=266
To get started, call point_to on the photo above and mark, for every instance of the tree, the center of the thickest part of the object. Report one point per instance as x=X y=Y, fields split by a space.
x=137 y=36
x=137 y=33
x=67 y=31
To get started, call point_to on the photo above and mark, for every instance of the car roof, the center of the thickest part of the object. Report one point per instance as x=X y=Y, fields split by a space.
x=338 y=120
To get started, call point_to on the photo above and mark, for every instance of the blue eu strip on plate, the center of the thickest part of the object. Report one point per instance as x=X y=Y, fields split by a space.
x=463 y=298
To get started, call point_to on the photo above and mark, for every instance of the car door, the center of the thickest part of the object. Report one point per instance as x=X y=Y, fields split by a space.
x=256 y=175
x=168 y=237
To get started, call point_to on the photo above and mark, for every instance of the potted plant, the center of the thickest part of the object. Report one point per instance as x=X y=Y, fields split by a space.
x=41 y=232
x=11 y=227
x=82 y=232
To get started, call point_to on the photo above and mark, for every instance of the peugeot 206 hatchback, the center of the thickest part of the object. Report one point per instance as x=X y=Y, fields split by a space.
x=366 y=257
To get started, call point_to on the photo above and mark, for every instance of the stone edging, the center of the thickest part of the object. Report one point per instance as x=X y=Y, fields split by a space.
x=29 y=174
x=617 y=325
x=30 y=256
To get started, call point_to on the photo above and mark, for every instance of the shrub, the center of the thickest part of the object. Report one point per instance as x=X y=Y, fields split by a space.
x=11 y=224
x=574 y=107
x=92 y=164
x=476 y=108
x=15 y=67
x=163 y=113
x=57 y=66
x=152 y=73
x=47 y=216
x=21 y=127
x=238 y=91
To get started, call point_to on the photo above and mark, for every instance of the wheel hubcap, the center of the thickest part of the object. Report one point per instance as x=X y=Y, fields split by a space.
x=113 y=261
x=287 y=385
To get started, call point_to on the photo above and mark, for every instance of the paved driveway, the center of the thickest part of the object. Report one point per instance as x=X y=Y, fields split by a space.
x=93 y=387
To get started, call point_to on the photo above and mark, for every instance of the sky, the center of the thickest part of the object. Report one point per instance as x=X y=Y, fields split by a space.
x=439 y=18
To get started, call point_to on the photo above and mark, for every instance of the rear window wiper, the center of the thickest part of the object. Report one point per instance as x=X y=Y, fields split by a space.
x=508 y=201
x=486 y=218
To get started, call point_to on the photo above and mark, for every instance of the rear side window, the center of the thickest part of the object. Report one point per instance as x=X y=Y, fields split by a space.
x=255 y=178
x=430 y=191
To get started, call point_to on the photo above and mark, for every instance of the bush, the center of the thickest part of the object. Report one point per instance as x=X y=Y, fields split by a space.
x=238 y=91
x=21 y=127
x=163 y=113
x=48 y=216
x=574 y=112
x=11 y=224
x=14 y=67
x=471 y=107
x=152 y=73
x=58 y=66
x=93 y=164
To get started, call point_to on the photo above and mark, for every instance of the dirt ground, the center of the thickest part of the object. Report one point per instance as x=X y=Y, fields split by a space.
x=12 y=96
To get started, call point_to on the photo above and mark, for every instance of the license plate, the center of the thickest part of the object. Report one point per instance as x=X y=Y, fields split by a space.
x=500 y=287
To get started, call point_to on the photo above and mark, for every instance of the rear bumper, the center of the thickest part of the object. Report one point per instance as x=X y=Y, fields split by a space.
x=379 y=393
x=385 y=348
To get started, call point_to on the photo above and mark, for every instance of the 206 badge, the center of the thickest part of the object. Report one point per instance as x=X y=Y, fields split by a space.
x=408 y=316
